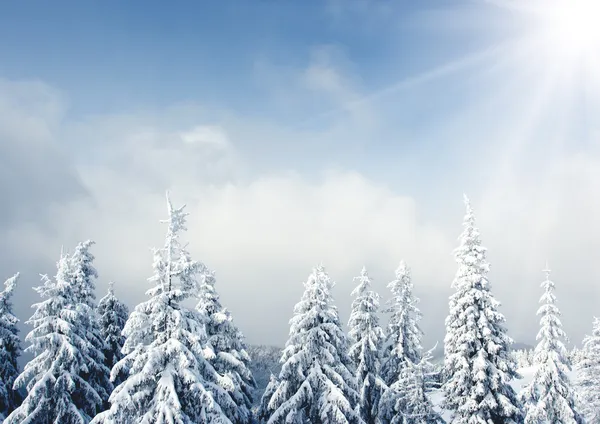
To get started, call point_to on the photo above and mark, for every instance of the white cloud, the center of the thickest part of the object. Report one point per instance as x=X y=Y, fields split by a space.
x=207 y=135
x=263 y=230
x=326 y=86
x=263 y=238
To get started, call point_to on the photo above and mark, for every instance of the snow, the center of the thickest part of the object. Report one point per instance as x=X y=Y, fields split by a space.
x=527 y=373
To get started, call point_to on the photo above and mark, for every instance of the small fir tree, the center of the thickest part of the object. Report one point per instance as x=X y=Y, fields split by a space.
x=10 y=349
x=112 y=315
x=316 y=384
x=549 y=398
x=407 y=400
x=83 y=277
x=366 y=337
x=229 y=357
x=403 y=337
x=589 y=375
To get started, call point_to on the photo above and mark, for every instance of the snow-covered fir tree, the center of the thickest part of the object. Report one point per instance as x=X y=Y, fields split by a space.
x=478 y=363
x=523 y=357
x=227 y=343
x=366 y=337
x=10 y=349
x=549 y=397
x=316 y=384
x=589 y=375
x=112 y=315
x=57 y=392
x=403 y=336
x=576 y=355
x=83 y=277
x=407 y=400
x=170 y=380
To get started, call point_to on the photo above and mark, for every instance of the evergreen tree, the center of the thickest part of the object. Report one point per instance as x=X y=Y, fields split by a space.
x=10 y=349
x=169 y=381
x=316 y=383
x=589 y=375
x=83 y=277
x=549 y=398
x=403 y=338
x=478 y=364
x=407 y=401
x=227 y=343
x=366 y=336
x=57 y=392
x=112 y=314
x=84 y=274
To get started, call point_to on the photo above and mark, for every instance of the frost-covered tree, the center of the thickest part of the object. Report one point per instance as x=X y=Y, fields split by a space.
x=112 y=315
x=523 y=357
x=478 y=364
x=170 y=380
x=589 y=375
x=227 y=343
x=407 y=400
x=576 y=355
x=57 y=391
x=366 y=338
x=403 y=336
x=549 y=397
x=84 y=274
x=83 y=277
x=10 y=349
x=316 y=384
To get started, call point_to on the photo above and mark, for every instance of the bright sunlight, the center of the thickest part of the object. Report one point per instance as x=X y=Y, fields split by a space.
x=565 y=27
x=572 y=26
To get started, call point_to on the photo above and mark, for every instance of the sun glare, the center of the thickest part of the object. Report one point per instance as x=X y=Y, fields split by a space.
x=570 y=26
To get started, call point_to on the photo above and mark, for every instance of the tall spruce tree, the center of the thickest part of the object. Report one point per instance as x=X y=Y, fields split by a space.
x=366 y=337
x=316 y=384
x=57 y=391
x=478 y=364
x=112 y=314
x=229 y=357
x=83 y=277
x=403 y=336
x=10 y=349
x=549 y=398
x=169 y=381
x=589 y=375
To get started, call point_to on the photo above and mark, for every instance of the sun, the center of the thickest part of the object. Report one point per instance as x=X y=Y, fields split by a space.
x=568 y=27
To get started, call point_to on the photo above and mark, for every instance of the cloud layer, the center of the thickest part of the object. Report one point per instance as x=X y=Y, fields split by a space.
x=270 y=198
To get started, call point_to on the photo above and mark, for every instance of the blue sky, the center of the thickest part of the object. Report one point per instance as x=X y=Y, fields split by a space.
x=112 y=54
x=342 y=131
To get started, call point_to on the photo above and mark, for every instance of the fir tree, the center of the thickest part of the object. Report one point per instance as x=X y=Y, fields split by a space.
x=407 y=401
x=169 y=380
x=478 y=364
x=403 y=338
x=10 y=349
x=57 y=392
x=227 y=343
x=84 y=274
x=366 y=336
x=549 y=398
x=316 y=383
x=112 y=314
x=589 y=375
x=83 y=277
